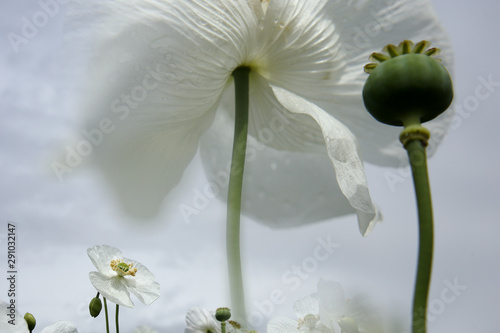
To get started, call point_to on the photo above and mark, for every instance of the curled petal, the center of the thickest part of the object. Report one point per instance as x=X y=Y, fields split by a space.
x=342 y=150
x=281 y=188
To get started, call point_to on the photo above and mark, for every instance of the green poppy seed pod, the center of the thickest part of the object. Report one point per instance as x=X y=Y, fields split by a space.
x=95 y=307
x=30 y=320
x=222 y=314
x=408 y=86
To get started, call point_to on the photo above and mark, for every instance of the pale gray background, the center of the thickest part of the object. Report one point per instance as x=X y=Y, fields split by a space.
x=57 y=222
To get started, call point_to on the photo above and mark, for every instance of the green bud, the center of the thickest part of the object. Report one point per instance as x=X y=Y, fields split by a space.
x=222 y=314
x=30 y=320
x=348 y=325
x=407 y=86
x=95 y=307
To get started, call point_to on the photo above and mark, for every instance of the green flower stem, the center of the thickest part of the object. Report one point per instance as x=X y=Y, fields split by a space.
x=418 y=161
x=106 y=313
x=116 y=319
x=223 y=327
x=241 y=86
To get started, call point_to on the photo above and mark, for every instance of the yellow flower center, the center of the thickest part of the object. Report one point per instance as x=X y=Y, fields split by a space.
x=121 y=268
x=309 y=321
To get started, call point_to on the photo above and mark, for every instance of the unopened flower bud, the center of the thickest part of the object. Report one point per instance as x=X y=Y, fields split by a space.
x=407 y=85
x=30 y=320
x=222 y=314
x=95 y=306
x=348 y=325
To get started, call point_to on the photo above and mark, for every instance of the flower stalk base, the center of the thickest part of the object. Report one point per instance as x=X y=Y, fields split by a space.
x=241 y=84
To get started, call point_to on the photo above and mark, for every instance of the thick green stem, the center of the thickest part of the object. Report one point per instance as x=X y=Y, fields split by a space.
x=241 y=84
x=418 y=161
x=106 y=313
x=116 y=319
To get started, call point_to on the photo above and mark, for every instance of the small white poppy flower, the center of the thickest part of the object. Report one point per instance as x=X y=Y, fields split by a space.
x=200 y=320
x=118 y=276
x=162 y=77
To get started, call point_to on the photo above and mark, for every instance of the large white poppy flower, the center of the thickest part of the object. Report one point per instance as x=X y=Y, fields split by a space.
x=162 y=77
x=118 y=276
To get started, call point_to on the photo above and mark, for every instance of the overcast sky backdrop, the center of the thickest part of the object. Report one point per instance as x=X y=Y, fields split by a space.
x=56 y=222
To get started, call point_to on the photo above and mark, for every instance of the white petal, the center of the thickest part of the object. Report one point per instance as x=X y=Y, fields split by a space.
x=342 y=150
x=101 y=256
x=143 y=284
x=5 y=316
x=365 y=27
x=299 y=46
x=60 y=327
x=281 y=188
x=198 y=319
x=113 y=289
x=282 y=325
x=332 y=301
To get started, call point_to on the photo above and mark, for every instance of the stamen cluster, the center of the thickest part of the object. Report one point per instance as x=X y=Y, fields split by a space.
x=122 y=268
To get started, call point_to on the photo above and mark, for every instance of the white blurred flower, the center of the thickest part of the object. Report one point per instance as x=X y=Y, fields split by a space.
x=118 y=276
x=11 y=321
x=200 y=320
x=145 y=329
x=329 y=311
x=162 y=78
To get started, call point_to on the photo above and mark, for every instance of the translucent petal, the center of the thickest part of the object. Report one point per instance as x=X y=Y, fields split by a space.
x=342 y=150
x=153 y=96
x=198 y=319
x=282 y=325
x=281 y=188
x=101 y=256
x=143 y=284
x=365 y=27
x=332 y=301
x=273 y=125
x=299 y=47
x=112 y=288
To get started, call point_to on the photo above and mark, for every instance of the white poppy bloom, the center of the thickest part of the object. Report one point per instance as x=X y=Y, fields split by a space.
x=329 y=311
x=162 y=77
x=200 y=320
x=118 y=276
